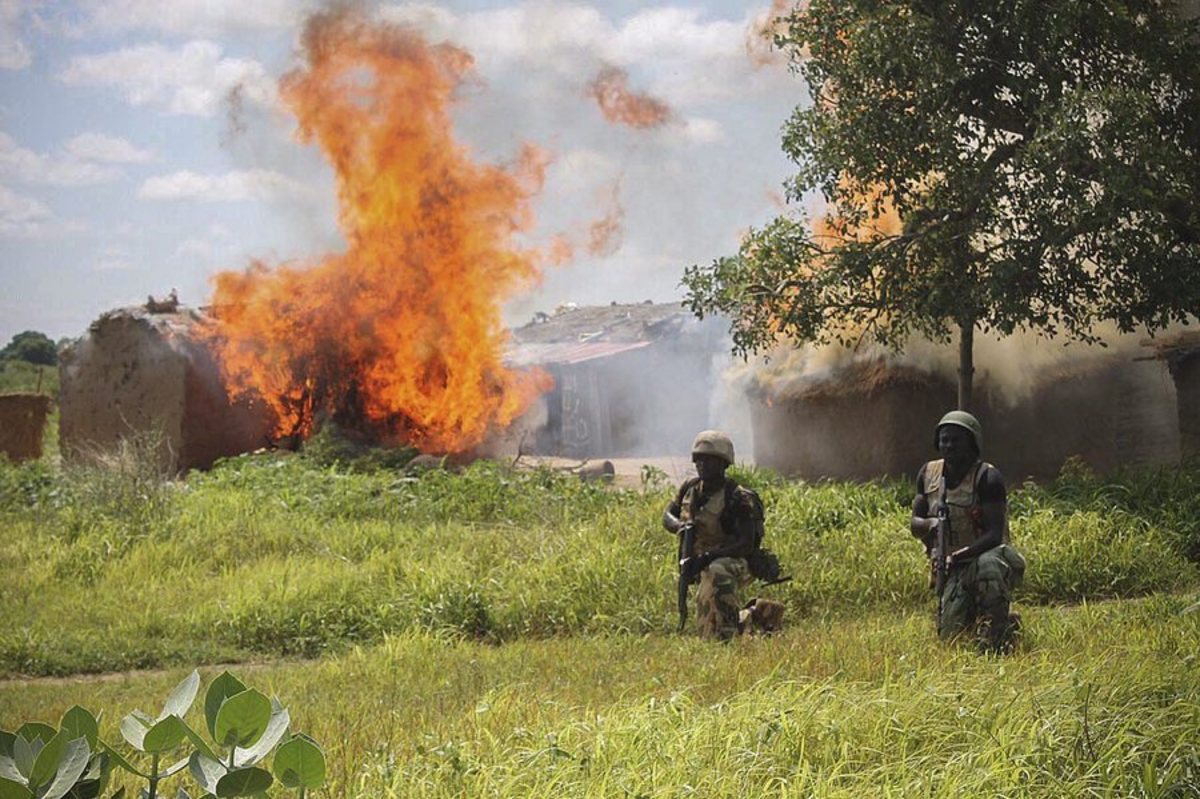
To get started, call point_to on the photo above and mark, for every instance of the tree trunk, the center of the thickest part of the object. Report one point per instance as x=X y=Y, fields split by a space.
x=966 y=364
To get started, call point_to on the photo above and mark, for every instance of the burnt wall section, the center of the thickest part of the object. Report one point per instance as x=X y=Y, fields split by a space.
x=1185 y=369
x=135 y=373
x=22 y=422
x=867 y=421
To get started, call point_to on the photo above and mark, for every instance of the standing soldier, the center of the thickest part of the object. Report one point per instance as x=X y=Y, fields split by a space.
x=723 y=517
x=976 y=567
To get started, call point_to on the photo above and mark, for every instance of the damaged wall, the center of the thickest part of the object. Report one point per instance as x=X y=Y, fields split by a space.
x=22 y=422
x=135 y=371
x=1185 y=369
x=869 y=420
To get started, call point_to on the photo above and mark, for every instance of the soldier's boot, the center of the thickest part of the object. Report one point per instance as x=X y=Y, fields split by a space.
x=995 y=632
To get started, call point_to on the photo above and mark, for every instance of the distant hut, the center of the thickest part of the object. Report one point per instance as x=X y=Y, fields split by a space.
x=629 y=379
x=869 y=419
x=22 y=422
x=145 y=370
x=1181 y=353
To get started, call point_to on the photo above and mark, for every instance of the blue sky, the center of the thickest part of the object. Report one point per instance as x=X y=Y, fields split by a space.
x=125 y=170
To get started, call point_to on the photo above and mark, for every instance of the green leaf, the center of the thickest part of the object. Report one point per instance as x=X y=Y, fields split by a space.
x=206 y=771
x=46 y=762
x=198 y=741
x=71 y=765
x=23 y=756
x=276 y=728
x=133 y=730
x=181 y=698
x=244 y=782
x=9 y=770
x=300 y=763
x=225 y=686
x=242 y=719
x=120 y=760
x=164 y=735
x=174 y=768
x=13 y=790
x=6 y=742
x=36 y=731
x=78 y=722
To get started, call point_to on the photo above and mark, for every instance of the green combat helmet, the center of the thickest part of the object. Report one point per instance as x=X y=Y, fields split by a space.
x=964 y=420
x=714 y=442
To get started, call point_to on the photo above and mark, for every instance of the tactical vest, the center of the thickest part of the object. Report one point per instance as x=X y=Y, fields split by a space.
x=962 y=501
x=710 y=533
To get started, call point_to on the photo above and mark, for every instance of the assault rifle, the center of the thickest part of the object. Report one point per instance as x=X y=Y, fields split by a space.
x=941 y=539
x=688 y=573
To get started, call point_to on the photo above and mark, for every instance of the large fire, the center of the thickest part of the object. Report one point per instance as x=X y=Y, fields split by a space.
x=400 y=336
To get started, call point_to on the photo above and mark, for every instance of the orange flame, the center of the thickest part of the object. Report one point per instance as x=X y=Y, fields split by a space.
x=606 y=234
x=621 y=105
x=401 y=335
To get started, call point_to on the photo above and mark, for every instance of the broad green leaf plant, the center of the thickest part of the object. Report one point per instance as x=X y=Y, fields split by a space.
x=244 y=728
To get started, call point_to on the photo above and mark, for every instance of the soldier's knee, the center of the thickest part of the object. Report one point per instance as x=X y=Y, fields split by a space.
x=991 y=567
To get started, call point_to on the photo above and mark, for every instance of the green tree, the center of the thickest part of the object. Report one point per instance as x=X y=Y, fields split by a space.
x=33 y=347
x=986 y=166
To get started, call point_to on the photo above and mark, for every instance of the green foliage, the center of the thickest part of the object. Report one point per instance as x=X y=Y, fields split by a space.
x=1098 y=695
x=1024 y=165
x=330 y=447
x=38 y=762
x=31 y=347
x=269 y=555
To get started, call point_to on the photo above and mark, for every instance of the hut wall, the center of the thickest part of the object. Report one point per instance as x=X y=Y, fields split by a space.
x=135 y=373
x=1115 y=413
x=859 y=437
x=122 y=378
x=1186 y=371
x=22 y=422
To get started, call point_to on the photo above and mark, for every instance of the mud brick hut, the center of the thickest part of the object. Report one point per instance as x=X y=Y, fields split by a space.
x=875 y=418
x=22 y=421
x=145 y=370
x=1181 y=353
x=629 y=379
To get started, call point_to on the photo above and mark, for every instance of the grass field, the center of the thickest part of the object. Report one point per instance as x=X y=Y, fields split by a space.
x=500 y=633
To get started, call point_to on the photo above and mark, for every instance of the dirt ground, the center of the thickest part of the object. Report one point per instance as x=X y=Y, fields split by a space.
x=627 y=471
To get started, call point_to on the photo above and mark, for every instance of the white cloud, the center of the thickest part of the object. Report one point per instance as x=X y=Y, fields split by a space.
x=22 y=216
x=195 y=17
x=112 y=259
x=104 y=149
x=68 y=169
x=236 y=186
x=14 y=53
x=192 y=79
x=703 y=131
x=216 y=239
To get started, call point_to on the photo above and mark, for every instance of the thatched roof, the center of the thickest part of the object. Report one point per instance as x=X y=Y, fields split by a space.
x=853 y=379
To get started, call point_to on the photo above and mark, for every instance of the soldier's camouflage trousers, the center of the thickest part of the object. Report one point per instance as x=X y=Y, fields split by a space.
x=717 y=602
x=979 y=593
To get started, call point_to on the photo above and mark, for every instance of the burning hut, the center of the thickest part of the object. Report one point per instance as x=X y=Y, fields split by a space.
x=140 y=370
x=22 y=421
x=1181 y=353
x=629 y=379
x=869 y=419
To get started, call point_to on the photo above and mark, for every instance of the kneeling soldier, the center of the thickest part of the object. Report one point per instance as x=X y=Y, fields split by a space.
x=722 y=517
x=960 y=513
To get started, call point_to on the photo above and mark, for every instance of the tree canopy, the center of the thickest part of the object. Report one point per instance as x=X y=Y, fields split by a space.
x=993 y=166
x=33 y=347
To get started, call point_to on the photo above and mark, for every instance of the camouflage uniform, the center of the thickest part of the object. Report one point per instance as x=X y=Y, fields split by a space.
x=717 y=602
x=981 y=588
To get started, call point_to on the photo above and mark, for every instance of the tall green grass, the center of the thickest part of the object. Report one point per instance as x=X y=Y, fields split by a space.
x=1100 y=700
x=264 y=556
